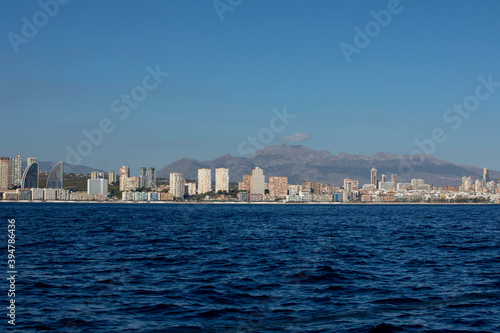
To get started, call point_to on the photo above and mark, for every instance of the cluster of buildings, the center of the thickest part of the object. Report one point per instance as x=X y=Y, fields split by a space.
x=146 y=179
x=179 y=188
x=19 y=184
x=253 y=188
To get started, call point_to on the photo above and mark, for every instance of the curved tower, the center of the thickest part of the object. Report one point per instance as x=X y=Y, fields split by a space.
x=30 y=176
x=55 y=179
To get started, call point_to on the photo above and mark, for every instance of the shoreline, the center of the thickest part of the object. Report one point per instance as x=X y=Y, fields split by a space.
x=246 y=203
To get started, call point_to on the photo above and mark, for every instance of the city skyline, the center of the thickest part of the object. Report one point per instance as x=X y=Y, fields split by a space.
x=394 y=94
x=252 y=188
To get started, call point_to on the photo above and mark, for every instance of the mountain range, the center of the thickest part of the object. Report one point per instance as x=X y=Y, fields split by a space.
x=300 y=163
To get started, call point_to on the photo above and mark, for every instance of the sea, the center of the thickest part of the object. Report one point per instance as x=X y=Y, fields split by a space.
x=90 y=267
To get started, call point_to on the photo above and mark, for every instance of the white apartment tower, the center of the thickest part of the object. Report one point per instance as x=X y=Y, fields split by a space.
x=16 y=170
x=177 y=184
x=204 y=180
x=221 y=179
x=258 y=181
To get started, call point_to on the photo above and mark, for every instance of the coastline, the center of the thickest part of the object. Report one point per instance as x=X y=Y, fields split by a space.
x=247 y=203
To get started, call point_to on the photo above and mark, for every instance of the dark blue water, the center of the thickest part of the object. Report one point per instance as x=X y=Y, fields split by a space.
x=258 y=268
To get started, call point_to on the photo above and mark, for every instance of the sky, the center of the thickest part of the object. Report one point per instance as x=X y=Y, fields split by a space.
x=151 y=82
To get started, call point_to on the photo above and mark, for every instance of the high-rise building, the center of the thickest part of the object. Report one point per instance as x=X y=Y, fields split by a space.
x=4 y=172
x=316 y=187
x=129 y=183
x=293 y=189
x=30 y=176
x=177 y=185
x=387 y=186
x=486 y=177
x=374 y=177
x=384 y=178
x=55 y=178
x=394 y=178
x=151 y=178
x=246 y=185
x=478 y=186
x=204 y=180
x=258 y=180
x=111 y=177
x=306 y=186
x=97 y=186
x=347 y=194
x=16 y=171
x=124 y=171
x=190 y=188
x=221 y=179
x=97 y=175
x=353 y=182
x=416 y=183
x=30 y=160
x=278 y=186
x=143 y=177
x=466 y=183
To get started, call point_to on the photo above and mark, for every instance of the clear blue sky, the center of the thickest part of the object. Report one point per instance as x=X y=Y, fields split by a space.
x=226 y=77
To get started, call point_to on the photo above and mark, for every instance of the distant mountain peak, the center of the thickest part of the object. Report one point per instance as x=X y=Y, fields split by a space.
x=298 y=162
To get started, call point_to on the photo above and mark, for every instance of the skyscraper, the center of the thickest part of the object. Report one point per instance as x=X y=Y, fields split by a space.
x=129 y=183
x=258 y=180
x=204 y=180
x=466 y=183
x=190 y=188
x=478 y=186
x=151 y=178
x=16 y=170
x=177 y=185
x=55 y=178
x=394 y=178
x=316 y=187
x=221 y=179
x=354 y=184
x=30 y=176
x=4 y=172
x=125 y=171
x=416 y=183
x=384 y=178
x=306 y=186
x=486 y=177
x=143 y=177
x=111 y=177
x=247 y=183
x=278 y=186
x=374 y=177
